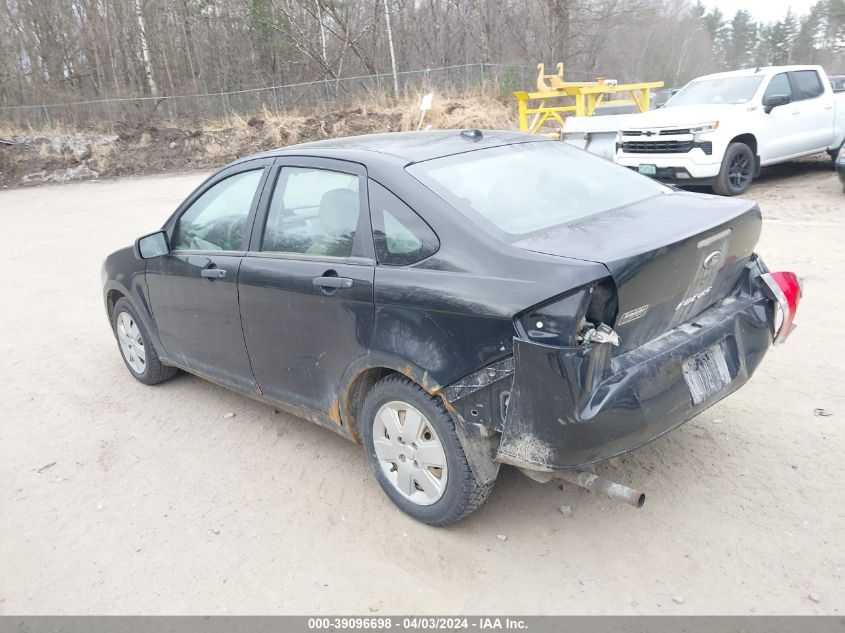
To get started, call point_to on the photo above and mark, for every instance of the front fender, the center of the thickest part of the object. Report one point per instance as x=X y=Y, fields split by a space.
x=125 y=275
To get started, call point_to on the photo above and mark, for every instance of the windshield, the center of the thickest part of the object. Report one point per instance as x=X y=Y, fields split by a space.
x=716 y=91
x=528 y=187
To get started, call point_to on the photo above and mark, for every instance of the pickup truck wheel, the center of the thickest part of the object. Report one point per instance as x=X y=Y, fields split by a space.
x=737 y=171
x=135 y=347
x=415 y=454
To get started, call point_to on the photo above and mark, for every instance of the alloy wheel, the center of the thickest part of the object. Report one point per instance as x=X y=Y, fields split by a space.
x=410 y=453
x=739 y=171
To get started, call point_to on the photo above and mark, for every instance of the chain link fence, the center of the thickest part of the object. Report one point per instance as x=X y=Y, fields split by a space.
x=498 y=79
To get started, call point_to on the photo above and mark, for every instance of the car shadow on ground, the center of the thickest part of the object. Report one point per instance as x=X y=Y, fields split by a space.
x=795 y=169
x=676 y=458
x=782 y=172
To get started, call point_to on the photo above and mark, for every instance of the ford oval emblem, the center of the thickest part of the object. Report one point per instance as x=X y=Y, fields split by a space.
x=712 y=259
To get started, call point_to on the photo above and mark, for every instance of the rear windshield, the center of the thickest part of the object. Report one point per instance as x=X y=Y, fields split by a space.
x=716 y=91
x=530 y=187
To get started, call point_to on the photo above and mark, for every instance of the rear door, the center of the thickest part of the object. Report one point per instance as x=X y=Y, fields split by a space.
x=193 y=290
x=306 y=284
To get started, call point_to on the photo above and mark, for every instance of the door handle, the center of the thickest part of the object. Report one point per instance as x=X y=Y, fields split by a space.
x=332 y=282
x=213 y=273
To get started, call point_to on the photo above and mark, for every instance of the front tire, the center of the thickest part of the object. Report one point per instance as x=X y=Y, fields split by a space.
x=833 y=154
x=415 y=454
x=737 y=171
x=135 y=346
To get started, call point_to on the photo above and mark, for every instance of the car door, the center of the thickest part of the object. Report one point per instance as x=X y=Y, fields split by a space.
x=306 y=284
x=782 y=128
x=812 y=109
x=193 y=290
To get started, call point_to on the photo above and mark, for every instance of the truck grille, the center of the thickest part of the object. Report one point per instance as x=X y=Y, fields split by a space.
x=657 y=147
x=665 y=147
x=683 y=130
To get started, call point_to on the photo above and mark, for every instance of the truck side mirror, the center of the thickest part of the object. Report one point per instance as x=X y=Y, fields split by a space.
x=152 y=245
x=773 y=101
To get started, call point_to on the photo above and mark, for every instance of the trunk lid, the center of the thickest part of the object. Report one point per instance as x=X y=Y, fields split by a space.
x=670 y=256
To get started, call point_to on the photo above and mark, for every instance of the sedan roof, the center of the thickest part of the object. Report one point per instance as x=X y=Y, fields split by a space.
x=412 y=147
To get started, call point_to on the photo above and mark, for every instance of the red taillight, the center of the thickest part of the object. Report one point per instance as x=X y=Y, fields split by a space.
x=786 y=289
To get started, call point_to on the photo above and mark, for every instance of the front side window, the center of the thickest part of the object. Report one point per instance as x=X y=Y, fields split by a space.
x=216 y=220
x=779 y=85
x=528 y=187
x=312 y=212
x=807 y=84
x=401 y=237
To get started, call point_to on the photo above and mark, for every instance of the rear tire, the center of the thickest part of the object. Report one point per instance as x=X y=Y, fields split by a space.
x=737 y=172
x=415 y=454
x=135 y=346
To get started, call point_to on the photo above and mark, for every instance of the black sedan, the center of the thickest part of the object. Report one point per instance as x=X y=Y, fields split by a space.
x=455 y=301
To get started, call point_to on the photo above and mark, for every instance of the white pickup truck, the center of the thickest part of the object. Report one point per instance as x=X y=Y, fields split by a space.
x=719 y=130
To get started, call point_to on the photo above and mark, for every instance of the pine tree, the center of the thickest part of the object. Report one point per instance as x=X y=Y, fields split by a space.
x=741 y=41
x=714 y=22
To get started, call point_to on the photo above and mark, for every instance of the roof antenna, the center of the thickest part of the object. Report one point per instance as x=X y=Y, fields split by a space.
x=472 y=135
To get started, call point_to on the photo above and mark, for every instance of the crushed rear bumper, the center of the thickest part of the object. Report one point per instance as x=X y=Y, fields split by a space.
x=574 y=407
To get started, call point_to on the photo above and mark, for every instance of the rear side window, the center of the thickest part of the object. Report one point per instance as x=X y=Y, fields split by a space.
x=216 y=220
x=778 y=86
x=401 y=237
x=807 y=84
x=312 y=212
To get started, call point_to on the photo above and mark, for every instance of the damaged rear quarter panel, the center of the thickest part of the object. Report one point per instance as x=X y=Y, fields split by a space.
x=449 y=325
x=452 y=323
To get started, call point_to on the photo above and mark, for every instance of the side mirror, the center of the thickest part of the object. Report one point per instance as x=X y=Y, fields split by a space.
x=773 y=101
x=152 y=245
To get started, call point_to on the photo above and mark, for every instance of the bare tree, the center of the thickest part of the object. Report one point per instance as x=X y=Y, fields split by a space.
x=392 y=52
x=145 y=49
x=67 y=50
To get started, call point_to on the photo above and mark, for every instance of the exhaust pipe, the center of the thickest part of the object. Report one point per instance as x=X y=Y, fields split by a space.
x=598 y=485
x=591 y=482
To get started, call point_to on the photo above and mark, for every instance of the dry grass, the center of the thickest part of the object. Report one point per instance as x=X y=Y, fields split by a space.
x=448 y=112
x=101 y=156
x=167 y=146
x=467 y=112
x=8 y=131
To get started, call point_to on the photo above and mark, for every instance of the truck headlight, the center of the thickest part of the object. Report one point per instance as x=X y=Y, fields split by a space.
x=706 y=127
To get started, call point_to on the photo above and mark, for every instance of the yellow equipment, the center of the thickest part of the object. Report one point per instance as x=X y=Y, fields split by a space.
x=582 y=98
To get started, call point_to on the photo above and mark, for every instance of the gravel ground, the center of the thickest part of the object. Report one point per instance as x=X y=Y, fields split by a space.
x=121 y=498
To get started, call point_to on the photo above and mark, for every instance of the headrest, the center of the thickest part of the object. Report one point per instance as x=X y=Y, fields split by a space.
x=339 y=212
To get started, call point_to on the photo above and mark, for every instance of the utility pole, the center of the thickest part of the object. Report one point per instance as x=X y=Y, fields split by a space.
x=392 y=53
